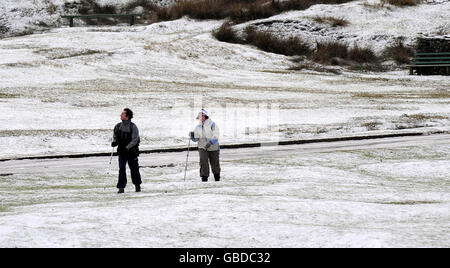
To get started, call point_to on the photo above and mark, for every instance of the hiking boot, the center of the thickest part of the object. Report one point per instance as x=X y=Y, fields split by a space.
x=121 y=191
x=204 y=179
x=138 y=188
x=217 y=177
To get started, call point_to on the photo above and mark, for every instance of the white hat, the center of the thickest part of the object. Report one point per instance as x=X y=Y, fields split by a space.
x=202 y=111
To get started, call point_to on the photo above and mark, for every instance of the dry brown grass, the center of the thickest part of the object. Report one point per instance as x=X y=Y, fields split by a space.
x=3 y=27
x=338 y=53
x=361 y=55
x=314 y=67
x=399 y=52
x=7 y=96
x=403 y=2
x=371 y=125
x=236 y=10
x=326 y=51
x=226 y=34
x=334 y=22
x=372 y=95
x=92 y=7
x=268 y=42
x=442 y=94
x=332 y=52
x=423 y=117
x=51 y=8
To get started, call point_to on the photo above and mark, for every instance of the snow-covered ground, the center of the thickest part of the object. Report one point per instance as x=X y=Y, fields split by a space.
x=19 y=17
x=379 y=193
x=370 y=24
x=62 y=91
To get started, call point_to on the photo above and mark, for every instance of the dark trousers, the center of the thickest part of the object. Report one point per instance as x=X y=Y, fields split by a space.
x=206 y=158
x=134 y=168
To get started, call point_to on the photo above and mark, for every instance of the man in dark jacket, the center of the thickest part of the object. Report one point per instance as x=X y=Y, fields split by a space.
x=126 y=137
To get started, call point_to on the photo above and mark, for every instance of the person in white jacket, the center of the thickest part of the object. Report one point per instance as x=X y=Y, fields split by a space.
x=206 y=133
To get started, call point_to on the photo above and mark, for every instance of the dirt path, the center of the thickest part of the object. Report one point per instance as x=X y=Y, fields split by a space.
x=46 y=166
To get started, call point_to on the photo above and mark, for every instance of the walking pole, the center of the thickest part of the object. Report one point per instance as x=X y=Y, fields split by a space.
x=110 y=160
x=187 y=157
x=109 y=169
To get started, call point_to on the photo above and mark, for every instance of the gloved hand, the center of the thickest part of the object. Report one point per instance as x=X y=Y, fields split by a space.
x=191 y=134
x=208 y=145
x=114 y=144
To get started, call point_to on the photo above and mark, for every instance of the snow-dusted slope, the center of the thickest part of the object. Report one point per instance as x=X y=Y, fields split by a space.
x=370 y=24
x=19 y=17
x=61 y=90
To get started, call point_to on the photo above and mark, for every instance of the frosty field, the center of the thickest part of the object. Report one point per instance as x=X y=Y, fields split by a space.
x=383 y=193
x=62 y=91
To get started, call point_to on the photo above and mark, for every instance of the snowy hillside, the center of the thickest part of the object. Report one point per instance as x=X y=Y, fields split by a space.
x=24 y=16
x=369 y=24
x=62 y=91
x=166 y=71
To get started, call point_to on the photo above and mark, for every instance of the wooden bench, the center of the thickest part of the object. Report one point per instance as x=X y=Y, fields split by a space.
x=430 y=63
x=90 y=16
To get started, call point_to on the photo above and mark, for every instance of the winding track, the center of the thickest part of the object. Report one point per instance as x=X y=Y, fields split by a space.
x=178 y=158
